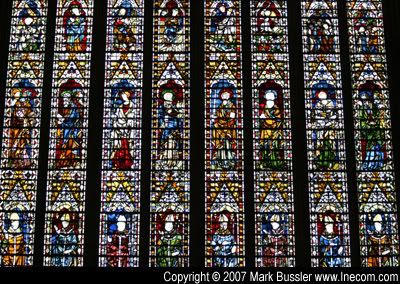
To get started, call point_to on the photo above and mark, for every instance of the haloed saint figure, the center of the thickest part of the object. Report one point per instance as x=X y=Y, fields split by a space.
x=372 y=126
x=124 y=28
x=75 y=27
x=275 y=239
x=366 y=33
x=123 y=118
x=29 y=29
x=325 y=116
x=271 y=119
x=379 y=245
x=70 y=122
x=23 y=106
x=170 y=242
x=321 y=33
x=64 y=239
x=269 y=29
x=223 y=29
x=117 y=241
x=172 y=18
x=330 y=240
x=224 y=132
x=223 y=243
x=171 y=123
x=13 y=240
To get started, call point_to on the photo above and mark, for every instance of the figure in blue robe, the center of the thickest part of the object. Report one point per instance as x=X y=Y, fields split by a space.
x=331 y=251
x=224 y=245
x=371 y=119
x=75 y=27
x=330 y=241
x=64 y=241
x=173 y=18
x=222 y=27
x=70 y=123
x=170 y=119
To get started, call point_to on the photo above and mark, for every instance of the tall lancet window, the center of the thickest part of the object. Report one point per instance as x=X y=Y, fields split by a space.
x=379 y=239
x=329 y=217
x=66 y=179
x=272 y=135
x=21 y=129
x=170 y=180
x=120 y=192
x=224 y=135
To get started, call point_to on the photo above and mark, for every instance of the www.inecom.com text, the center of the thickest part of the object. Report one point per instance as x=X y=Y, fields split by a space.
x=274 y=277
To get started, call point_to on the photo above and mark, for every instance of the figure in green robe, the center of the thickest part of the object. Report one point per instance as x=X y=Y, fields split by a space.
x=170 y=245
x=326 y=155
x=372 y=125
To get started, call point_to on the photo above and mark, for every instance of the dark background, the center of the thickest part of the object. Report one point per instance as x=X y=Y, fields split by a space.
x=392 y=33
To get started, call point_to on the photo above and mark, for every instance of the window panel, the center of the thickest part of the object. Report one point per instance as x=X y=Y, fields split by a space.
x=224 y=135
x=66 y=178
x=272 y=143
x=170 y=176
x=120 y=193
x=329 y=217
x=21 y=132
x=379 y=239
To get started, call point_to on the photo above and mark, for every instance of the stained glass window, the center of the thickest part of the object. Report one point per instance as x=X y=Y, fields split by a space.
x=224 y=135
x=379 y=239
x=66 y=180
x=272 y=135
x=120 y=195
x=170 y=187
x=329 y=218
x=20 y=147
x=152 y=106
